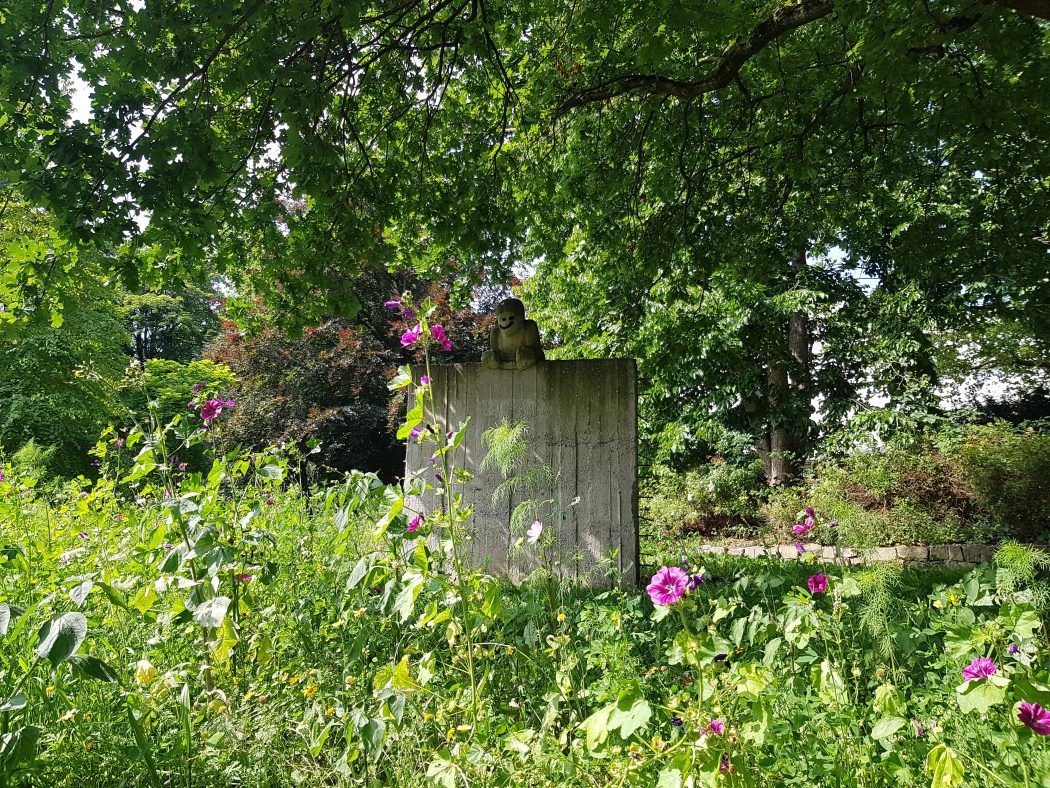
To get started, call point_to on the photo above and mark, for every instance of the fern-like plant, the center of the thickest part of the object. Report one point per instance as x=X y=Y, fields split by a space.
x=508 y=451
x=1017 y=573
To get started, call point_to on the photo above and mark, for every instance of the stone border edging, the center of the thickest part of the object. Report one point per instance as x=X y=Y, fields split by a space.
x=963 y=556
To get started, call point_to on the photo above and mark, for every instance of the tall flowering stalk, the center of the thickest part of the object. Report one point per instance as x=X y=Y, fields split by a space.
x=417 y=427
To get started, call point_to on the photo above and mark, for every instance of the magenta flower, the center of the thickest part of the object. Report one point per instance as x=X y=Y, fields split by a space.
x=668 y=585
x=269 y=501
x=182 y=466
x=809 y=511
x=392 y=304
x=810 y=522
x=798 y=529
x=980 y=668
x=833 y=523
x=818 y=584
x=1035 y=717
x=1014 y=648
x=414 y=524
x=119 y=442
x=415 y=433
x=230 y=403
x=800 y=547
x=411 y=336
x=211 y=409
x=438 y=332
x=716 y=726
x=425 y=380
x=243 y=577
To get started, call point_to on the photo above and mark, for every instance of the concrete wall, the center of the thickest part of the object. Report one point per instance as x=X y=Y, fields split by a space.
x=582 y=418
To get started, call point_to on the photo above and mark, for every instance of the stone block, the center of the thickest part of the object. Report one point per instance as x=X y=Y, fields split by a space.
x=913 y=552
x=788 y=551
x=977 y=553
x=882 y=554
x=714 y=549
x=938 y=552
x=755 y=551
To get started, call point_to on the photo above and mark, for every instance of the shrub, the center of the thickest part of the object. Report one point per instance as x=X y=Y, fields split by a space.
x=965 y=483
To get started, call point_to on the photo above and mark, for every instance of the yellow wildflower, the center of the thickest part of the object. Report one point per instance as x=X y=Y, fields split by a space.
x=310 y=691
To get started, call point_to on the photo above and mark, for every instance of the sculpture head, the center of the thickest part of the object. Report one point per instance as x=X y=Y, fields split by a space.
x=510 y=315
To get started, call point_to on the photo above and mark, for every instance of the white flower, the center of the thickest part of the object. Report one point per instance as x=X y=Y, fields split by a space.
x=535 y=532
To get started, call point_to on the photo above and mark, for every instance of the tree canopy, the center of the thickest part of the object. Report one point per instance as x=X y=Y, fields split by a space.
x=717 y=187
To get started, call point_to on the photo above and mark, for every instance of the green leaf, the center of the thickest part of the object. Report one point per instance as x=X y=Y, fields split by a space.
x=211 y=613
x=79 y=592
x=596 y=727
x=18 y=748
x=60 y=637
x=442 y=771
x=630 y=713
x=887 y=726
x=944 y=768
x=372 y=734
x=14 y=703
x=272 y=472
x=93 y=668
x=981 y=694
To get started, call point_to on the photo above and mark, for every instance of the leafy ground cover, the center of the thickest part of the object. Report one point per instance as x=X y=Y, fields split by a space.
x=228 y=627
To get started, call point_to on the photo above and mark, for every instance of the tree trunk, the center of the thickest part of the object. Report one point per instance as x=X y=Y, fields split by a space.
x=782 y=447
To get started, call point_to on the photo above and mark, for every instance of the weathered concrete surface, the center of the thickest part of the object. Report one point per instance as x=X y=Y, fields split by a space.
x=583 y=422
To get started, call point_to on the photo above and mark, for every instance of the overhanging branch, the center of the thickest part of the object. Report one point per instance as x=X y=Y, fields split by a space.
x=783 y=20
x=727 y=66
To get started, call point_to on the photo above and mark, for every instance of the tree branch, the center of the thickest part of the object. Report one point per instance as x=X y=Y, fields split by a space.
x=727 y=66
x=783 y=20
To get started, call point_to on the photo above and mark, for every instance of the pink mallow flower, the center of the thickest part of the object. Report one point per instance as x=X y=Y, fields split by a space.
x=716 y=726
x=668 y=585
x=212 y=408
x=243 y=577
x=438 y=332
x=1035 y=717
x=980 y=668
x=798 y=529
x=424 y=380
x=414 y=524
x=818 y=584
x=411 y=336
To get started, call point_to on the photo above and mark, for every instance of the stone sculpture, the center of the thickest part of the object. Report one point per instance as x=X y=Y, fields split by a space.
x=514 y=342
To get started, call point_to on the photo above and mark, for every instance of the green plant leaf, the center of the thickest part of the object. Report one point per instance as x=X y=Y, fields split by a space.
x=887 y=726
x=94 y=668
x=211 y=613
x=631 y=712
x=944 y=768
x=60 y=637
x=14 y=703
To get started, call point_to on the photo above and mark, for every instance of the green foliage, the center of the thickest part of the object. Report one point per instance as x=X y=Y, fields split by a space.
x=58 y=386
x=162 y=389
x=174 y=325
x=967 y=483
